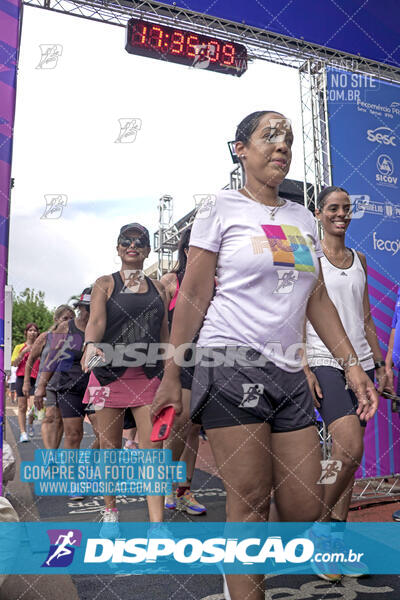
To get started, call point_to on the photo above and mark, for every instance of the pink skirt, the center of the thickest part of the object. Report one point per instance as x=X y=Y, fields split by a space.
x=130 y=390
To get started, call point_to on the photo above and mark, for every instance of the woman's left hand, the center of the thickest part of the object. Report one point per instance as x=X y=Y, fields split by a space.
x=367 y=396
x=382 y=379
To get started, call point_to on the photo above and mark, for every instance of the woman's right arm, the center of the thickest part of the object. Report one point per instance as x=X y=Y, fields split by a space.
x=194 y=297
x=96 y=325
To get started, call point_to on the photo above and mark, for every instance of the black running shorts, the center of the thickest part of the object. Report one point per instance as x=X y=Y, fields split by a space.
x=129 y=420
x=50 y=399
x=19 y=383
x=70 y=404
x=224 y=396
x=337 y=402
x=186 y=377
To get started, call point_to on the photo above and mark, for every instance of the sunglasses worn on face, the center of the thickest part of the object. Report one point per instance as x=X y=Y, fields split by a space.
x=139 y=242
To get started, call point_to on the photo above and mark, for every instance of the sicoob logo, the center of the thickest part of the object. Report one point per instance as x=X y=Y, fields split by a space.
x=385 y=166
x=62 y=542
x=382 y=135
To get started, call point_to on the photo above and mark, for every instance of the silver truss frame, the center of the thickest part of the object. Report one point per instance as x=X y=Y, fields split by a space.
x=314 y=116
x=310 y=59
x=376 y=487
x=261 y=44
x=161 y=241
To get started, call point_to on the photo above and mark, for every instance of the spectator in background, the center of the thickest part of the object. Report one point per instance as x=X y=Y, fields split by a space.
x=11 y=385
x=52 y=426
x=62 y=367
x=19 y=359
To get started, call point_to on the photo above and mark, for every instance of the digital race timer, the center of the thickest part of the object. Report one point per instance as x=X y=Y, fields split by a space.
x=185 y=47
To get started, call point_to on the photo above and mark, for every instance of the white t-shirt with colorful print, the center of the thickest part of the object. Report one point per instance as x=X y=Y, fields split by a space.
x=266 y=270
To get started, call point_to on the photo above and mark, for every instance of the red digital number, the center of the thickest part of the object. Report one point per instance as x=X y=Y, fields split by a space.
x=177 y=42
x=139 y=34
x=155 y=37
x=228 y=54
x=191 y=42
x=213 y=51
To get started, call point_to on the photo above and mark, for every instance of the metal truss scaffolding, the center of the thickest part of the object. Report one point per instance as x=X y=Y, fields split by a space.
x=314 y=115
x=261 y=44
x=166 y=239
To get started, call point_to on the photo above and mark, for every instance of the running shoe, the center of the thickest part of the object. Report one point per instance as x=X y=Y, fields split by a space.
x=110 y=520
x=130 y=445
x=23 y=437
x=31 y=430
x=396 y=515
x=189 y=503
x=322 y=544
x=356 y=570
x=350 y=569
x=170 y=501
x=159 y=530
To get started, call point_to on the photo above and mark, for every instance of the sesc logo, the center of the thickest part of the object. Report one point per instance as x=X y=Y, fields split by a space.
x=382 y=135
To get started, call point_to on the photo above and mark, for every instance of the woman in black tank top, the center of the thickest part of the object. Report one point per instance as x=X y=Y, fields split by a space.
x=128 y=320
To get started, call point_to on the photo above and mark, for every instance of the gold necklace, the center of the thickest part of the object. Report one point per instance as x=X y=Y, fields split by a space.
x=273 y=211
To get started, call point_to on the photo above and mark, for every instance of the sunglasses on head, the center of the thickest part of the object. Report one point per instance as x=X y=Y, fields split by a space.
x=140 y=242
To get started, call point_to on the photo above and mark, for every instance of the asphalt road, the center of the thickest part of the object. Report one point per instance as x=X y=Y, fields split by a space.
x=122 y=586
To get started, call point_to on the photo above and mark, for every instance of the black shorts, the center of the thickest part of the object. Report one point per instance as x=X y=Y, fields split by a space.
x=19 y=385
x=224 y=396
x=129 y=420
x=12 y=387
x=70 y=404
x=186 y=377
x=336 y=402
x=50 y=399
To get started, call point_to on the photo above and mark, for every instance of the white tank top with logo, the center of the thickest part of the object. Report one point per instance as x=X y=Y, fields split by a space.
x=345 y=288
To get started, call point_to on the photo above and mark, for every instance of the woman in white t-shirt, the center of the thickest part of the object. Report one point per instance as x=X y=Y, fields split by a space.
x=345 y=275
x=249 y=388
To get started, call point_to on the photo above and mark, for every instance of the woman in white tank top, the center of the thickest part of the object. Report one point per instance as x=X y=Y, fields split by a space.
x=344 y=270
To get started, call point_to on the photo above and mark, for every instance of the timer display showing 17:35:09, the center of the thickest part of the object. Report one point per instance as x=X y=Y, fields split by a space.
x=185 y=47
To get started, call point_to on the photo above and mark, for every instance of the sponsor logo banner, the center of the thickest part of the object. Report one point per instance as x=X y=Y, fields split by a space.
x=364 y=140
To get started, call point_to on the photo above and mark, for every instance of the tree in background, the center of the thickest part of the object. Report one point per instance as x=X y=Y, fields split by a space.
x=29 y=307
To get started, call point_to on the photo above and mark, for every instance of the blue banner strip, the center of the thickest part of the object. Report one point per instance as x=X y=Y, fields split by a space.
x=196 y=548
